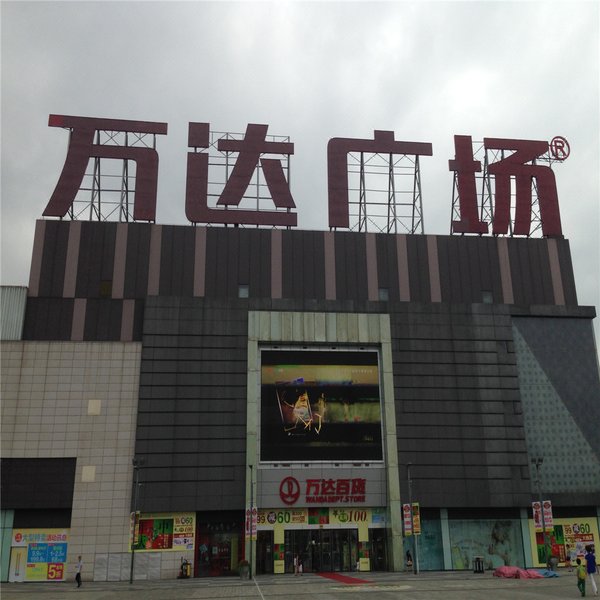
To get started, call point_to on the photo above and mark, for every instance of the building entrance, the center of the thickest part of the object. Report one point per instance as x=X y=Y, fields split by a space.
x=322 y=550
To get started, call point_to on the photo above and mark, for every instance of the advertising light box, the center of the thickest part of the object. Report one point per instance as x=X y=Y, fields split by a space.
x=320 y=406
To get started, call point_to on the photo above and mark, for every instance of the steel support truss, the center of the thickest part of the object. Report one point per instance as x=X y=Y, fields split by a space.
x=484 y=182
x=384 y=193
x=107 y=191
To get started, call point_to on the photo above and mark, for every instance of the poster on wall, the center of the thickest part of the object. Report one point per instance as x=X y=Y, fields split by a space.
x=318 y=517
x=166 y=532
x=498 y=542
x=544 y=516
x=39 y=554
x=567 y=535
x=320 y=406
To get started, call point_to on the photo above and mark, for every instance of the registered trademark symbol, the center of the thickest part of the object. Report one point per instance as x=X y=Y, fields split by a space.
x=559 y=148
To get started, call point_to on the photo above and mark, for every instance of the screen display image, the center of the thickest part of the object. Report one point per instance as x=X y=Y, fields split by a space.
x=320 y=406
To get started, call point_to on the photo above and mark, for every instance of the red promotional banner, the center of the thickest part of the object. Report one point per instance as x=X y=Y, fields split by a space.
x=407 y=514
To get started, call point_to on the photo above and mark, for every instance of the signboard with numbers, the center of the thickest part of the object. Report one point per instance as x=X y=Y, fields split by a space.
x=46 y=553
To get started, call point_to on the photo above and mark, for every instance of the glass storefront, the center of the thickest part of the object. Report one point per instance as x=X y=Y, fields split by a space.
x=323 y=550
x=499 y=542
x=219 y=545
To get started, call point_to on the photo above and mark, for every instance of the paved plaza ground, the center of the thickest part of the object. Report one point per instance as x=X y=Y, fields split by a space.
x=401 y=586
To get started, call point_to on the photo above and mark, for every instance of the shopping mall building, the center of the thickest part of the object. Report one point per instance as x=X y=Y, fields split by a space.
x=261 y=393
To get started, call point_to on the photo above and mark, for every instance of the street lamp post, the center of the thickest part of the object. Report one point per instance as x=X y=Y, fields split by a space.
x=415 y=539
x=251 y=516
x=537 y=463
x=137 y=464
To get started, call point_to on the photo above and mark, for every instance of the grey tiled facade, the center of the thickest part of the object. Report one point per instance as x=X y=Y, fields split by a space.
x=491 y=362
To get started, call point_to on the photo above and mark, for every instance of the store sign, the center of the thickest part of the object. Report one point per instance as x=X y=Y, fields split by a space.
x=537 y=515
x=567 y=538
x=250 y=523
x=323 y=491
x=300 y=518
x=46 y=554
x=416 y=514
x=407 y=516
x=174 y=532
x=518 y=166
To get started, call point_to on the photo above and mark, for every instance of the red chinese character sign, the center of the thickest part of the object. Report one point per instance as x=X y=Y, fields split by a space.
x=384 y=145
x=514 y=165
x=243 y=179
x=323 y=491
x=95 y=138
x=250 y=162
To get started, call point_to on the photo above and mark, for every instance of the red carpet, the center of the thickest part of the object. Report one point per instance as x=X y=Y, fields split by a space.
x=342 y=578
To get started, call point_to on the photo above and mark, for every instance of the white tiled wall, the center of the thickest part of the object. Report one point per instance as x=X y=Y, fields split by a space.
x=46 y=412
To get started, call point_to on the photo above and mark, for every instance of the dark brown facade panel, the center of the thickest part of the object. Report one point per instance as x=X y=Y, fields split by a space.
x=52 y=274
x=96 y=260
x=516 y=272
x=216 y=263
x=566 y=270
x=351 y=266
x=445 y=262
x=418 y=268
x=259 y=275
x=177 y=261
x=488 y=272
x=48 y=319
x=37 y=483
x=137 y=261
x=472 y=283
x=303 y=275
x=530 y=264
x=545 y=273
x=387 y=265
x=103 y=320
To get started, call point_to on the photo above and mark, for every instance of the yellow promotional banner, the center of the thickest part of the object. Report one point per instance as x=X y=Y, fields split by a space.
x=268 y=518
x=46 y=552
x=568 y=538
x=349 y=516
x=164 y=531
x=416 y=512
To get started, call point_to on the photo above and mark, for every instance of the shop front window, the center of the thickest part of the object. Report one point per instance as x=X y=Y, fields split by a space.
x=219 y=547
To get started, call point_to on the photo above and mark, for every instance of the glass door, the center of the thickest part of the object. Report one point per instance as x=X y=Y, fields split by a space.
x=264 y=552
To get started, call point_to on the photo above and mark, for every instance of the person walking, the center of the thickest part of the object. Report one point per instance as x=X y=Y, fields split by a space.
x=581 y=574
x=78 y=568
x=568 y=562
x=590 y=559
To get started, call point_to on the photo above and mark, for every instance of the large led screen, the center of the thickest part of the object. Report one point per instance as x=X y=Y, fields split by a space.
x=320 y=406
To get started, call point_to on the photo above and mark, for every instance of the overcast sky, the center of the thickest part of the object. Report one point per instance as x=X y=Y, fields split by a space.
x=310 y=70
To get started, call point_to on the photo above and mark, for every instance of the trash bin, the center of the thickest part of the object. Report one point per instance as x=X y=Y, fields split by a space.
x=478 y=564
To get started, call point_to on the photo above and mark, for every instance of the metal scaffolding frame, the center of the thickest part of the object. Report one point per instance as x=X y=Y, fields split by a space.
x=384 y=193
x=98 y=197
x=220 y=165
x=484 y=182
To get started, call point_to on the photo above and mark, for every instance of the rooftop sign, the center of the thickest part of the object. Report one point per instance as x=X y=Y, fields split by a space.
x=265 y=160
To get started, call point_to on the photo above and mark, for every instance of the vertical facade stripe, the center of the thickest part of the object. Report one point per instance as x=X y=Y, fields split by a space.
x=154 y=260
x=329 y=248
x=557 y=285
x=36 y=258
x=505 y=276
x=127 y=320
x=200 y=261
x=403 y=279
x=434 y=269
x=118 y=286
x=72 y=259
x=276 y=266
x=372 y=276
x=78 y=324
